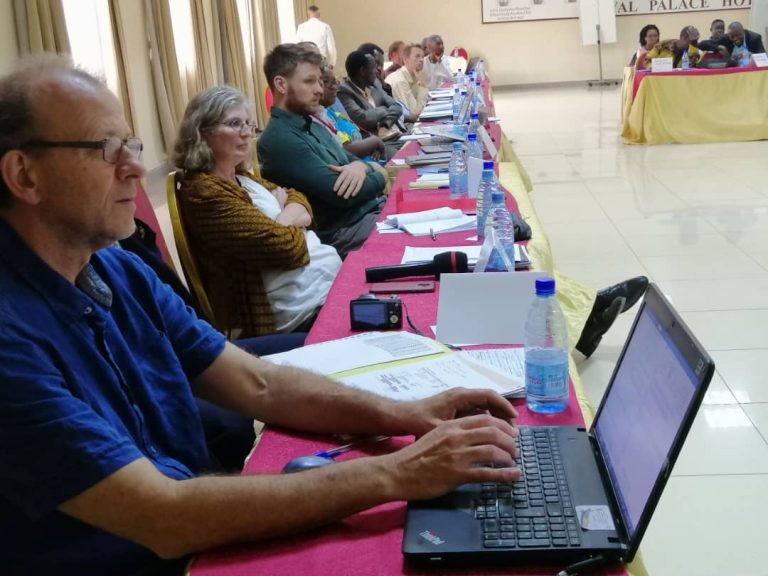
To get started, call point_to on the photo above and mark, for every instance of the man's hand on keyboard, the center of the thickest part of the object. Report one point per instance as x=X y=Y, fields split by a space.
x=455 y=453
x=421 y=416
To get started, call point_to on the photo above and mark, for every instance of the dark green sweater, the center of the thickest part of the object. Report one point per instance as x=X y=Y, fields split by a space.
x=294 y=151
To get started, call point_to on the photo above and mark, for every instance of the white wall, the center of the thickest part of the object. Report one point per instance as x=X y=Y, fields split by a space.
x=518 y=52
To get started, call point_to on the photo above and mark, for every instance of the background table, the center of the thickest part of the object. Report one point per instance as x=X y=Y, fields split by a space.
x=696 y=106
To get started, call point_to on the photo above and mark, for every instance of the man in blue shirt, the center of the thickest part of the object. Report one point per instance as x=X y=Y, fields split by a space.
x=101 y=449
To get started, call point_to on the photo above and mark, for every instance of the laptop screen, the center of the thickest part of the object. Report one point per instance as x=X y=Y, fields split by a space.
x=642 y=414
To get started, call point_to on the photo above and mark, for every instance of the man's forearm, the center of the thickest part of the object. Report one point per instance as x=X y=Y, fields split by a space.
x=297 y=398
x=175 y=518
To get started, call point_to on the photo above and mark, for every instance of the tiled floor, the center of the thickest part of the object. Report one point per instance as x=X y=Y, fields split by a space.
x=694 y=218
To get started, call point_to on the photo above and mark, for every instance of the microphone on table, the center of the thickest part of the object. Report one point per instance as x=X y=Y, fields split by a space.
x=443 y=262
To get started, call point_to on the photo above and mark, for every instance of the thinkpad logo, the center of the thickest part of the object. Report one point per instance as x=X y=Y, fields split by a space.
x=430 y=537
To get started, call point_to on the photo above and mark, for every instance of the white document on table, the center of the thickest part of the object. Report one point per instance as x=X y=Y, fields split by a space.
x=424 y=378
x=509 y=362
x=489 y=308
x=366 y=349
x=460 y=224
x=661 y=65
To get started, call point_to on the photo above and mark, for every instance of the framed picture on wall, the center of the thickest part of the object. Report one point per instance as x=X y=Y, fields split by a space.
x=521 y=10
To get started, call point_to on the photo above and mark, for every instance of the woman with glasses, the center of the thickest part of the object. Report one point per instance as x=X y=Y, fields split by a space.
x=263 y=269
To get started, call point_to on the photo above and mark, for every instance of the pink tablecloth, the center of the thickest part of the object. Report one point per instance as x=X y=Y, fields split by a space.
x=640 y=75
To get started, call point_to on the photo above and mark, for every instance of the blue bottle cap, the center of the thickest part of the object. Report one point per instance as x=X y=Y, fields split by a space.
x=457 y=145
x=472 y=137
x=545 y=286
x=474 y=115
x=488 y=165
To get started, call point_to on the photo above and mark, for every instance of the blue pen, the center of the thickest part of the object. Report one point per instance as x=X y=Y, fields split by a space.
x=333 y=452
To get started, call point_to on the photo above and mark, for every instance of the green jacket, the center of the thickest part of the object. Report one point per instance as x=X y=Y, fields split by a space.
x=295 y=152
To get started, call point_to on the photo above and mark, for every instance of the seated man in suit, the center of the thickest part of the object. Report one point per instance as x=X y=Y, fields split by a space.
x=378 y=55
x=104 y=463
x=346 y=193
x=436 y=70
x=367 y=104
x=405 y=81
x=742 y=43
x=716 y=44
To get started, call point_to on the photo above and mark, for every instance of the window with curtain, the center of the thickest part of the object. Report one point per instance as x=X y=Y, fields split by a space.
x=91 y=38
x=286 y=20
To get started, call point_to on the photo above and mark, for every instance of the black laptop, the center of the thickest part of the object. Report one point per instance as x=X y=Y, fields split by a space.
x=585 y=493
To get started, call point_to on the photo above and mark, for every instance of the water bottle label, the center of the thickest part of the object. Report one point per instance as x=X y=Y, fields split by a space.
x=546 y=380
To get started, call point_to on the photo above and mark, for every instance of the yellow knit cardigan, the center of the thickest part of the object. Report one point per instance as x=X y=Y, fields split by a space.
x=233 y=241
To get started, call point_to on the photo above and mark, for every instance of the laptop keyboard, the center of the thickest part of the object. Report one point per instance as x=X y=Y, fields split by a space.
x=536 y=511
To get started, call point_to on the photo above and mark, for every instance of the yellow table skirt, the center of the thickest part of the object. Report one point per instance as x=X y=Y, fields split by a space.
x=699 y=108
x=575 y=298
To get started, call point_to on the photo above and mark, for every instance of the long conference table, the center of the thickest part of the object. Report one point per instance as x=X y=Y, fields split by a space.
x=695 y=106
x=369 y=543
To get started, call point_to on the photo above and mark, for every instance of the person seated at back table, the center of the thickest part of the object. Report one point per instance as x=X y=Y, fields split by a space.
x=368 y=105
x=345 y=192
x=716 y=44
x=405 y=82
x=649 y=37
x=395 y=56
x=366 y=147
x=436 y=70
x=104 y=464
x=742 y=43
x=689 y=38
x=264 y=271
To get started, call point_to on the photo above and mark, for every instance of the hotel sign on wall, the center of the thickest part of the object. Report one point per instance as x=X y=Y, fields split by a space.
x=517 y=10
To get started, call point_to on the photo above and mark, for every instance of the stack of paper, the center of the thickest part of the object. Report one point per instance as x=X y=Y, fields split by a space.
x=432 y=221
x=430 y=181
x=441 y=93
x=437 y=109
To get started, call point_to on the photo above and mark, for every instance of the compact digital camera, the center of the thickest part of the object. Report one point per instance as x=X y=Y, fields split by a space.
x=371 y=313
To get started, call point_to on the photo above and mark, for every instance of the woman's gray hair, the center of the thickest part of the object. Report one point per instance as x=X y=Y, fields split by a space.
x=191 y=152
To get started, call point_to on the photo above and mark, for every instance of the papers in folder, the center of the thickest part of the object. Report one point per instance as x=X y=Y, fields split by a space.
x=430 y=181
x=398 y=365
x=434 y=221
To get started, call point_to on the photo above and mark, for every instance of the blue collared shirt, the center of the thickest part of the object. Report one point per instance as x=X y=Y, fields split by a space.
x=92 y=377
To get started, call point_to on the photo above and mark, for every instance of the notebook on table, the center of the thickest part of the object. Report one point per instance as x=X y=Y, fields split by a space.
x=584 y=493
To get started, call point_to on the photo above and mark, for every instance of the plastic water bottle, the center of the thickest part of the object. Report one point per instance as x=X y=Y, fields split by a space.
x=474 y=146
x=474 y=123
x=457 y=172
x=456 y=103
x=479 y=96
x=481 y=70
x=686 y=61
x=546 y=352
x=462 y=97
x=484 y=195
x=744 y=60
x=500 y=220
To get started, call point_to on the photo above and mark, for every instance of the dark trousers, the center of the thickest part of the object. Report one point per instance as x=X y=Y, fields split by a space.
x=229 y=435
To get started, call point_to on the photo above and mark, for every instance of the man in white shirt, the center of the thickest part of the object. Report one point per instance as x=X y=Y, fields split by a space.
x=318 y=32
x=436 y=70
x=405 y=81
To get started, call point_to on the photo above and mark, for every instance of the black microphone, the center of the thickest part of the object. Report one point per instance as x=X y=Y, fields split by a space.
x=443 y=262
